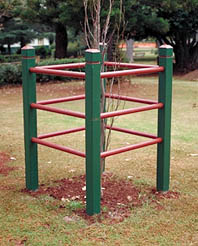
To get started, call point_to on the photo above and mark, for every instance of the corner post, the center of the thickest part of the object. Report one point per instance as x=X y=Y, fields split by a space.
x=30 y=118
x=92 y=109
x=164 y=117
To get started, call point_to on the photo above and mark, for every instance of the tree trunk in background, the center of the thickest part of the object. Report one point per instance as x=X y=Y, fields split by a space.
x=61 y=41
x=129 y=49
x=186 y=58
x=9 y=49
x=185 y=52
x=22 y=42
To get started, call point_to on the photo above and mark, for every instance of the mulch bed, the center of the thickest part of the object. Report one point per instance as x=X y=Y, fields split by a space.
x=119 y=198
x=193 y=75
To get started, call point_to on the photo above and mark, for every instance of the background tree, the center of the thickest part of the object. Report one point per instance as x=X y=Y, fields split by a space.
x=59 y=15
x=171 y=22
x=12 y=28
x=8 y=10
x=15 y=31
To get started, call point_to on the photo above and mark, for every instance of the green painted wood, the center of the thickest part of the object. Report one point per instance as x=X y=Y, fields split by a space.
x=164 y=118
x=92 y=109
x=30 y=118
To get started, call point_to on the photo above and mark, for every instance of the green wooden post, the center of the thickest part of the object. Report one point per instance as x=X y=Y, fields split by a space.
x=30 y=119
x=164 y=118
x=92 y=109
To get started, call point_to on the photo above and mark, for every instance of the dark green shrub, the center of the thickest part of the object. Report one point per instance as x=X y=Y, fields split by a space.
x=46 y=78
x=10 y=74
x=60 y=61
x=10 y=58
x=42 y=51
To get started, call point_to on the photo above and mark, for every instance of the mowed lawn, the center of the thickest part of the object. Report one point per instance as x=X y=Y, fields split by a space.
x=25 y=220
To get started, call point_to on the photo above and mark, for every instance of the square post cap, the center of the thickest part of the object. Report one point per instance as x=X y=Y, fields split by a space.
x=92 y=55
x=28 y=51
x=165 y=50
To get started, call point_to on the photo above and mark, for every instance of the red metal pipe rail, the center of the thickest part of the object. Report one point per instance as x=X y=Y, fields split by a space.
x=128 y=65
x=130 y=99
x=40 y=70
x=58 y=147
x=57 y=110
x=60 y=100
x=132 y=72
x=64 y=66
x=130 y=147
x=54 y=134
x=131 y=110
x=103 y=154
x=142 y=134
x=103 y=115
x=81 y=75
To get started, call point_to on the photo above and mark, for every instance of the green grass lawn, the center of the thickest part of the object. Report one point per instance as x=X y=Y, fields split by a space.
x=25 y=220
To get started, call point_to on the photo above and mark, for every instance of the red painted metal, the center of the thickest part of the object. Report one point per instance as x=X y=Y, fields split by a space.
x=131 y=110
x=130 y=99
x=55 y=134
x=130 y=147
x=142 y=134
x=40 y=70
x=57 y=110
x=58 y=147
x=128 y=65
x=131 y=72
x=60 y=100
x=64 y=66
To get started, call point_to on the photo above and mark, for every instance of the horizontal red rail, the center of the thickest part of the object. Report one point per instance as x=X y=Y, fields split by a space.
x=131 y=72
x=142 y=134
x=103 y=154
x=130 y=99
x=58 y=147
x=64 y=66
x=60 y=100
x=40 y=70
x=57 y=110
x=54 y=134
x=127 y=65
x=130 y=147
x=131 y=110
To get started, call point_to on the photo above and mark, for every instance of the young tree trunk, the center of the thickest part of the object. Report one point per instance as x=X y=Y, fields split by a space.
x=129 y=49
x=61 y=41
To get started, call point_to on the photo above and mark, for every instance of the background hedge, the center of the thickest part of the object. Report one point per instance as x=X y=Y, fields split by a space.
x=10 y=73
